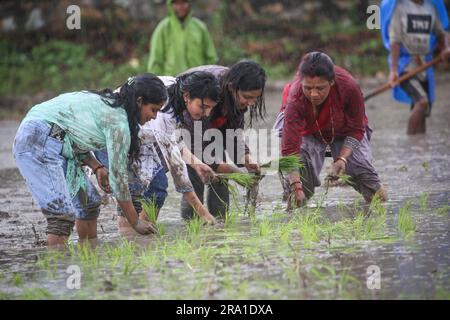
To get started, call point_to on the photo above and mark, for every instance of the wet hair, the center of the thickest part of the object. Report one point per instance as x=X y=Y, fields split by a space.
x=198 y=84
x=146 y=86
x=317 y=64
x=245 y=75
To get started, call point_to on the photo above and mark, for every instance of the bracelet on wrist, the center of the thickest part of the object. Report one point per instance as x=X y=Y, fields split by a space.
x=341 y=158
x=299 y=187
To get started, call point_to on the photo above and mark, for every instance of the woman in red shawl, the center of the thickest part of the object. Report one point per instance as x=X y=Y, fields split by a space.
x=324 y=107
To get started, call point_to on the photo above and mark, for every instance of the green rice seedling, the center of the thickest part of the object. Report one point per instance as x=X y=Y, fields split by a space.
x=6 y=296
x=285 y=232
x=264 y=228
x=124 y=254
x=289 y=163
x=278 y=215
x=441 y=294
x=72 y=249
x=251 y=252
x=376 y=206
x=329 y=277
x=341 y=206
x=343 y=283
x=426 y=165
x=230 y=218
x=424 y=201
x=161 y=228
x=50 y=261
x=245 y=180
x=357 y=204
x=113 y=254
x=291 y=275
x=323 y=275
x=367 y=227
x=242 y=290
x=358 y=225
x=35 y=294
x=151 y=257
x=345 y=179
x=180 y=249
x=442 y=211
x=127 y=247
x=374 y=228
x=129 y=264
x=406 y=225
x=233 y=191
x=285 y=164
x=151 y=211
x=123 y=250
x=197 y=291
x=308 y=227
x=194 y=226
x=17 y=279
x=87 y=255
x=202 y=257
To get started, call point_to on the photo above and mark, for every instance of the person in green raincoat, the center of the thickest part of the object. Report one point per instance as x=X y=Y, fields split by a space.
x=180 y=41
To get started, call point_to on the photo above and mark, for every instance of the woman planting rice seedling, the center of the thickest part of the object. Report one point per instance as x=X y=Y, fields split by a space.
x=191 y=98
x=242 y=90
x=325 y=107
x=56 y=138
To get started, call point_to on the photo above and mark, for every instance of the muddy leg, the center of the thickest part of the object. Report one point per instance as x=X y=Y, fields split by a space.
x=59 y=228
x=87 y=231
x=57 y=242
x=416 y=122
x=218 y=199
x=381 y=193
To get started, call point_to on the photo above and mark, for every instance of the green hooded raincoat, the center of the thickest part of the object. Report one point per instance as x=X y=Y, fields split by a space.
x=176 y=47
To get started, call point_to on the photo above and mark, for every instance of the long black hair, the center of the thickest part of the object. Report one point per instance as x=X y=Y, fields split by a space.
x=146 y=86
x=245 y=75
x=198 y=84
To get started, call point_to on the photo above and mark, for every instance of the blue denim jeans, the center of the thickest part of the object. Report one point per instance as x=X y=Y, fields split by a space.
x=38 y=157
x=156 y=191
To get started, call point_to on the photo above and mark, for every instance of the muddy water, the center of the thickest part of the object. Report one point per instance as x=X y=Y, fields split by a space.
x=244 y=261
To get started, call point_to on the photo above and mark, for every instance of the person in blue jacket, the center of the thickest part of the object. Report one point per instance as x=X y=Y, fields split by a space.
x=412 y=30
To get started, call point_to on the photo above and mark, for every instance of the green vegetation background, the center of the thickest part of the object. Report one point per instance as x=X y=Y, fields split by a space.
x=113 y=43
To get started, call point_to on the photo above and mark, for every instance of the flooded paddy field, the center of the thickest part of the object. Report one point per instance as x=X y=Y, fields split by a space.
x=336 y=248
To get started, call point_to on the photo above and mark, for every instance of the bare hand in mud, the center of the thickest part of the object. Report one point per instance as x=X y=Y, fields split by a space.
x=209 y=219
x=206 y=217
x=205 y=173
x=253 y=168
x=103 y=179
x=298 y=198
x=337 y=169
x=144 y=227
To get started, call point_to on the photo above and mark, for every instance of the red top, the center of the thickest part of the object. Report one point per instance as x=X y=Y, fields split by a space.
x=346 y=100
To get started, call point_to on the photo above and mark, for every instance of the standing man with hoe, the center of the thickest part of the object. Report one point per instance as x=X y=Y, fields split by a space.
x=411 y=31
